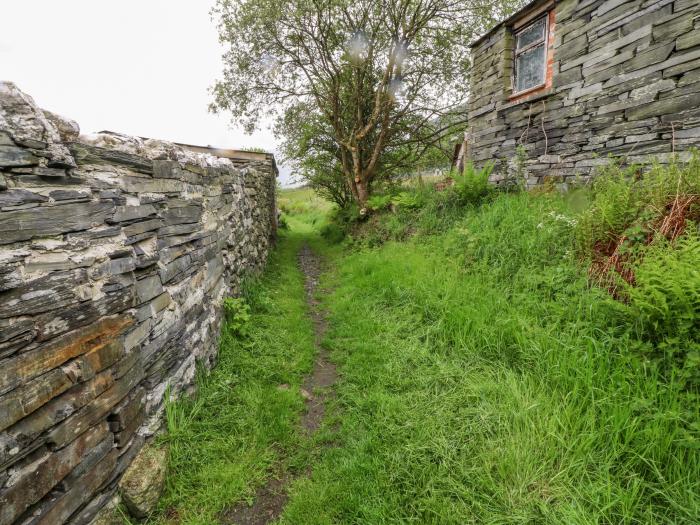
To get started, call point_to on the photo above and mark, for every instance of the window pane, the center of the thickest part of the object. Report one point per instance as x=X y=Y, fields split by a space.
x=529 y=68
x=532 y=34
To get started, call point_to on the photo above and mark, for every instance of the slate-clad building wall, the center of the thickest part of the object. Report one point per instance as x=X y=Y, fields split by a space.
x=625 y=82
x=115 y=255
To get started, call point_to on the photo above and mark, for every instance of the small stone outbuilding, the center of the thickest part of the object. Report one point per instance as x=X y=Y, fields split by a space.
x=576 y=81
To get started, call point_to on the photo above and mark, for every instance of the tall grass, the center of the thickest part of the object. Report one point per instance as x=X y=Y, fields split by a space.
x=224 y=441
x=484 y=380
x=484 y=377
x=303 y=205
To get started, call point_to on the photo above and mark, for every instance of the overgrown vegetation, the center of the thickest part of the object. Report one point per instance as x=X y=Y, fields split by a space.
x=304 y=206
x=486 y=381
x=237 y=314
x=642 y=235
x=487 y=373
x=415 y=207
x=243 y=418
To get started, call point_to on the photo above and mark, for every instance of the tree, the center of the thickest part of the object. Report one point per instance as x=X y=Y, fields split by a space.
x=358 y=87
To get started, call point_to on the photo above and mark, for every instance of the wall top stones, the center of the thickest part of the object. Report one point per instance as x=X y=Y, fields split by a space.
x=115 y=255
x=29 y=126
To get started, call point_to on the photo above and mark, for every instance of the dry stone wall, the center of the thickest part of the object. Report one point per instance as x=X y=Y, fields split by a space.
x=626 y=83
x=115 y=255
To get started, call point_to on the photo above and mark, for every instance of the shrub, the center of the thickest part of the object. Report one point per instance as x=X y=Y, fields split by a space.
x=473 y=185
x=379 y=202
x=346 y=216
x=332 y=232
x=409 y=199
x=665 y=305
x=237 y=314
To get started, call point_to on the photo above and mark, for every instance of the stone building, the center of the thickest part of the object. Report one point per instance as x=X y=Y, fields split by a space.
x=560 y=86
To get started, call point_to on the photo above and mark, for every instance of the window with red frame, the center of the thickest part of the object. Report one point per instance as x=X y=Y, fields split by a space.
x=530 y=56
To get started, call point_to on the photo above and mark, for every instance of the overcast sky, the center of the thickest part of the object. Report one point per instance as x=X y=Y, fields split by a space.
x=140 y=67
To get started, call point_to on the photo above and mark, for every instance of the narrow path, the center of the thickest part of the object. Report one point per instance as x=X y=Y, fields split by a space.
x=317 y=385
x=271 y=498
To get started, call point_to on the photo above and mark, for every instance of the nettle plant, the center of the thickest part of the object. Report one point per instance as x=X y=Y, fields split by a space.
x=237 y=314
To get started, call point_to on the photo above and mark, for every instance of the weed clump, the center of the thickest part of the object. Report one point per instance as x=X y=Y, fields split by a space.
x=237 y=314
x=630 y=210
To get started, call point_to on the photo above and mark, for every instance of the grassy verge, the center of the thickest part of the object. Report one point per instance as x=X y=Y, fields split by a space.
x=240 y=422
x=483 y=380
x=303 y=209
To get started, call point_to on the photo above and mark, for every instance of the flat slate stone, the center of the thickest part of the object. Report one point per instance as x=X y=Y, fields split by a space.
x=96 y=410
x=46 y=172
x=24 y=437
x=39 y=477
x=19 y=196
x=30 y=396
x=89 y=154
x=138 y=228
x=46 y=221
x=65 y=502
x=41 y=295
x=28 y=365
x=690 y=39
x=85 y=313
x=182 y=215
x=15 y=334
x=664 y=106
x=13 y=156
x=70 y=195
x=131 y=213
x=148 y=288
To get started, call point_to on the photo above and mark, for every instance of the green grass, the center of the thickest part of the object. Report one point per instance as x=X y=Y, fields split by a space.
x=240 y=423
x=303 y=206
x=482 y=380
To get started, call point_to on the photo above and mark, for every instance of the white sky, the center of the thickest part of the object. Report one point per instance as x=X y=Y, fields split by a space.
x=140 y=67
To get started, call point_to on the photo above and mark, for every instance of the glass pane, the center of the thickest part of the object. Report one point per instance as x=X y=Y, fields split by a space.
x=532 y=34
x=529 y=68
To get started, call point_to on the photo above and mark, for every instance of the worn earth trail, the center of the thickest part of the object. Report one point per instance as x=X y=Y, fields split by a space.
x=271 y=498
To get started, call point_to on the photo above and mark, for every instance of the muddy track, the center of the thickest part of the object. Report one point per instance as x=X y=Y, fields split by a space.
x=271 y=498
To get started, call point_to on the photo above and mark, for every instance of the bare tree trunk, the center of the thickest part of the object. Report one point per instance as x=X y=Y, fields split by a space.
x=353 y=187
x=362 y=192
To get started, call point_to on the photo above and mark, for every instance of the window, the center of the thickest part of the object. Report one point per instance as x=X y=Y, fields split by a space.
x=531 y=56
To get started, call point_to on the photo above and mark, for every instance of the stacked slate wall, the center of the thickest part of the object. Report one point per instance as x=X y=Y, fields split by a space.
x=115 y=255
x=626 y=83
